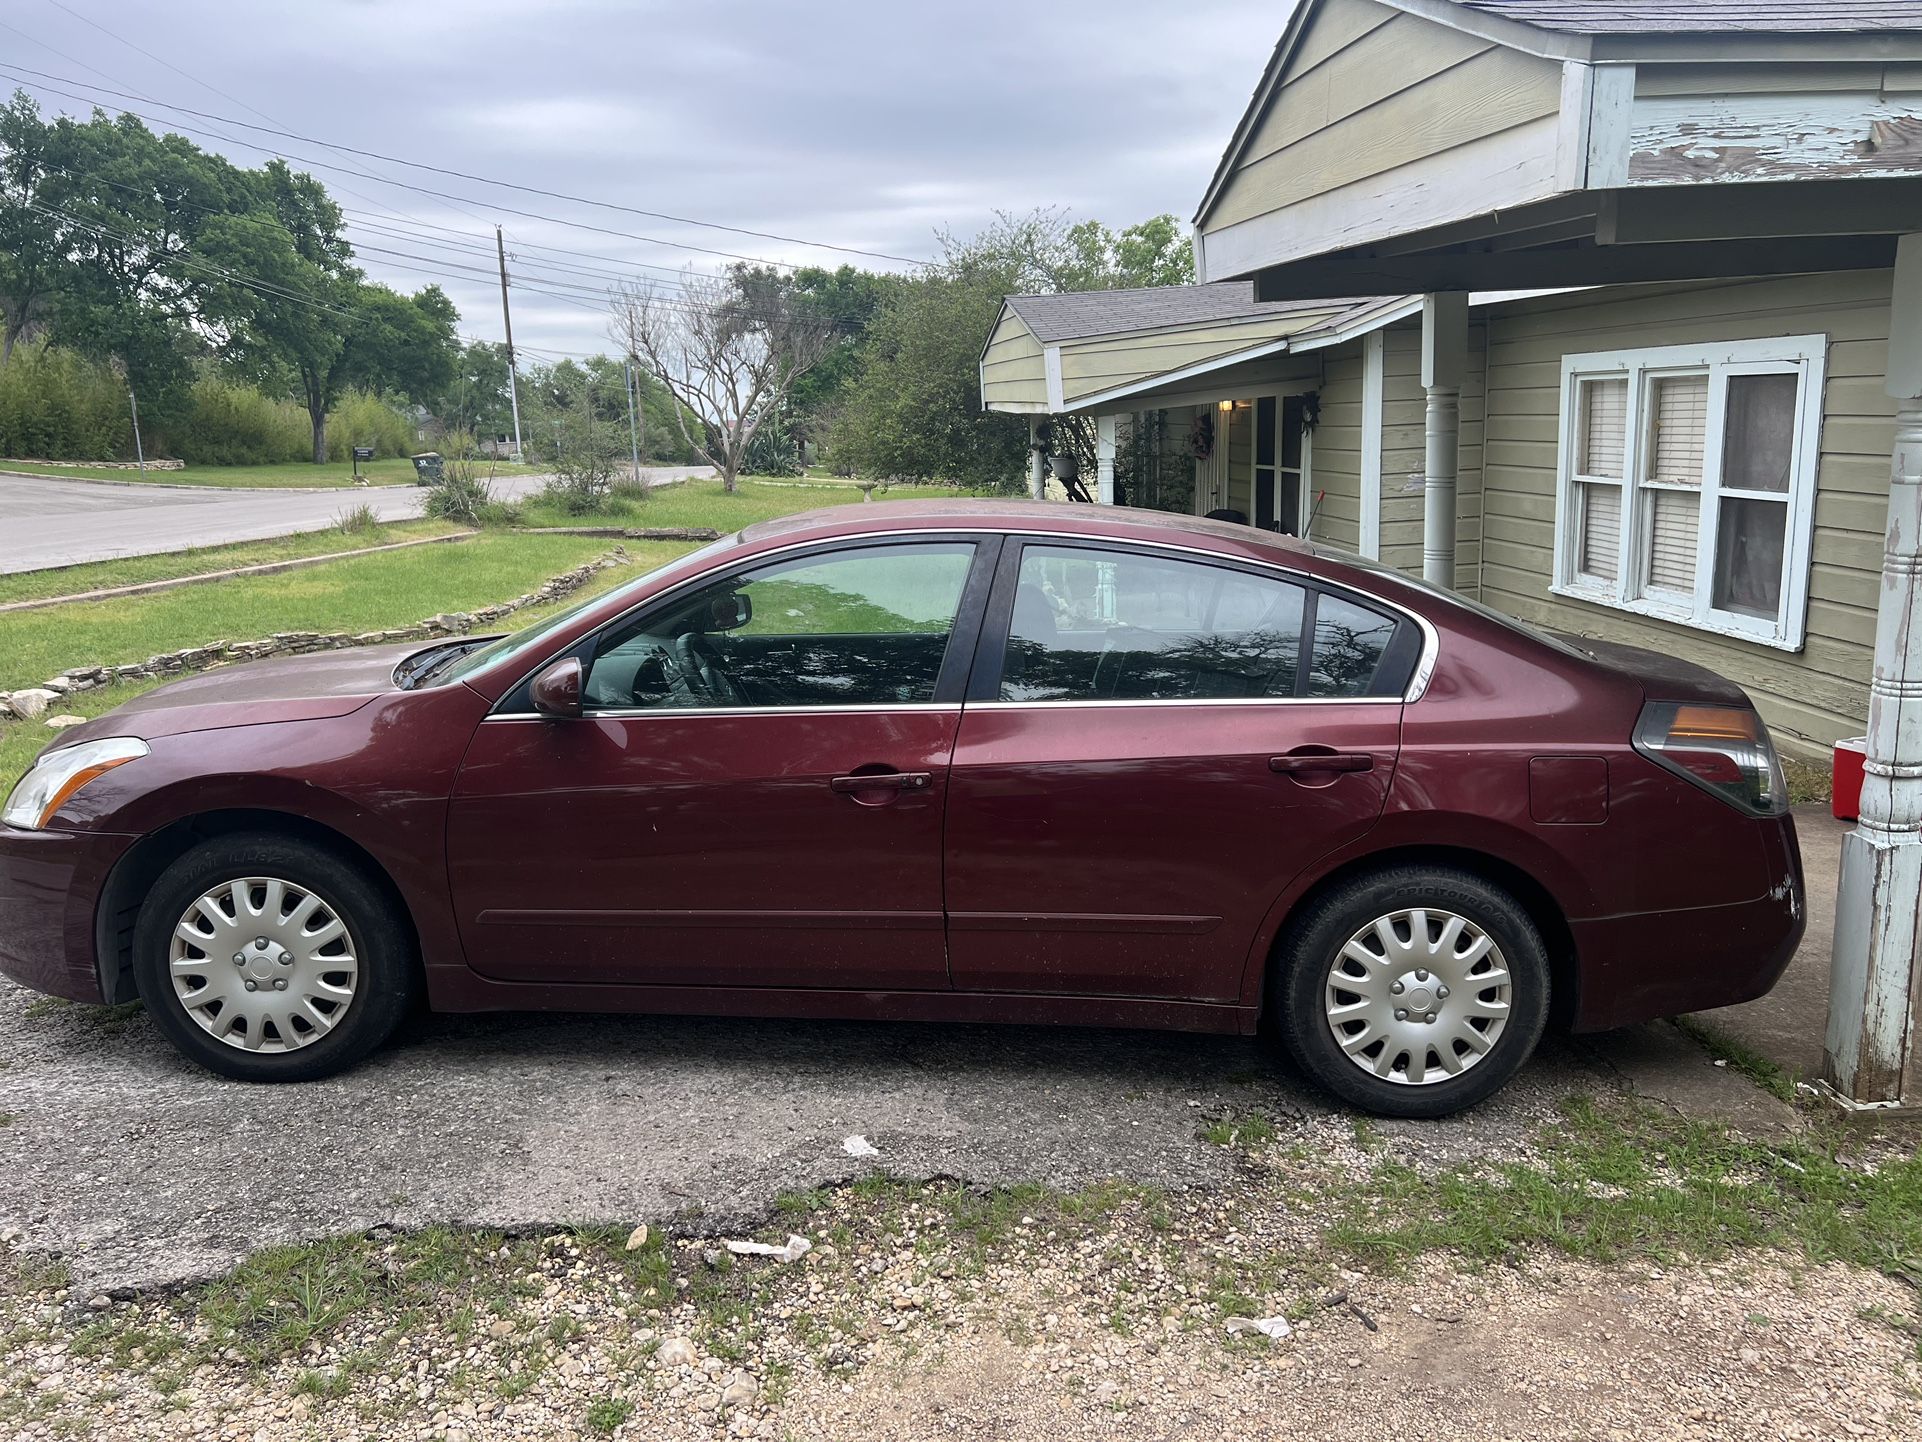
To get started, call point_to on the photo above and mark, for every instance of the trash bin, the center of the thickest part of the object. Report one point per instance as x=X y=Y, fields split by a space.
x=427 y=468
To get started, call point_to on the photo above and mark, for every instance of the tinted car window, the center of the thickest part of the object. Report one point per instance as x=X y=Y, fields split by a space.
x=864 y=626
x=1350 y=642
x=1110 y=625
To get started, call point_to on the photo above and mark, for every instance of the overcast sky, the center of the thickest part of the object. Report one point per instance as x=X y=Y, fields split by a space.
x=854 y=122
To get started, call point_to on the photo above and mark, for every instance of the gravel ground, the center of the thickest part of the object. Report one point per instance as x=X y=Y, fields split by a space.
x=895 y=1330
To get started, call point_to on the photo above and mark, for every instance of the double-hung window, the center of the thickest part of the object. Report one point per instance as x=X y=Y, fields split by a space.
x=1687 y=483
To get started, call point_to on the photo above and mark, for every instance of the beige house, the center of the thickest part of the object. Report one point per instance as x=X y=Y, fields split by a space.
x=1701 y=466
x=1699 y=428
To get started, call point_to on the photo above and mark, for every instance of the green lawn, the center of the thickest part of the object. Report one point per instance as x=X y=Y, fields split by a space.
x=365 y=594
x=704 y=503
x=135 y=570
x=396 y=472
x=395 y=594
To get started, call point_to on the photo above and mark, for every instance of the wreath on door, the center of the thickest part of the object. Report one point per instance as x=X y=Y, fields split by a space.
x=1201 y=434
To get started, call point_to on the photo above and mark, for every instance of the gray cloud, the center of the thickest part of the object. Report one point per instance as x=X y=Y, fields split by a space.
x=862 y=123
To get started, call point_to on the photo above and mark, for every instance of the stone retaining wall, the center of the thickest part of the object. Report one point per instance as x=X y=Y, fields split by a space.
x=97 y=465
x=34 y=701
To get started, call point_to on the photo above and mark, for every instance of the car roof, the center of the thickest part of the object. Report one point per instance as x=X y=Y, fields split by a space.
x=1055 y=517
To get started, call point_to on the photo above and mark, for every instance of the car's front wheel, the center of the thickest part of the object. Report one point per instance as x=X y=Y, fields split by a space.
x=1413 y=991
x=268 y=958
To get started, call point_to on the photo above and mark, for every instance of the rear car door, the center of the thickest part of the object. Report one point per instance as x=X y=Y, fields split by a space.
x=754 y=794
x=1155 y=743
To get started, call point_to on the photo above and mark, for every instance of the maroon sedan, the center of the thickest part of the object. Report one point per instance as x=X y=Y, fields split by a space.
x=965 y=761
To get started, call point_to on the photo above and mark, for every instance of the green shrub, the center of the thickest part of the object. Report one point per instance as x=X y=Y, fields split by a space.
x=235 y=425
x=362 y=419
x=57 y=406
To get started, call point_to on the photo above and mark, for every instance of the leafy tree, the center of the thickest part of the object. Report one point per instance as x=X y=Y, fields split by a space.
x=913 y=408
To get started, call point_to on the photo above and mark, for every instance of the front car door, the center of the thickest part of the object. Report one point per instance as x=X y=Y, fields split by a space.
x=754 y=794
x=1155 y=744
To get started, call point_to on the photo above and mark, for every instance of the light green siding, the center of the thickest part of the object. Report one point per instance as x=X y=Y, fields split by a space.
x=1012 y=370
x=1812 y=696
x=1369 y=91
x=1337 y=452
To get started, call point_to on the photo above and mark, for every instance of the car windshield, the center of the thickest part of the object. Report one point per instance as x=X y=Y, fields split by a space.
x=530 y=640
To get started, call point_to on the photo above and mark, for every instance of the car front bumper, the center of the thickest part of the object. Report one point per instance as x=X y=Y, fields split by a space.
x=50 y=885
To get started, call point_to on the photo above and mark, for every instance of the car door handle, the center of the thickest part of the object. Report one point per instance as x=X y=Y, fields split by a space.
x=1296 y=761
x=884 y=781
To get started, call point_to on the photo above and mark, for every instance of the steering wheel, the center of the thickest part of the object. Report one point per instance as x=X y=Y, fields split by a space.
x=701 y=665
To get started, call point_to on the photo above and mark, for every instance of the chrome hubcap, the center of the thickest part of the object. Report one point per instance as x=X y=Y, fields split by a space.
x=263 y=965
x=1418 y=996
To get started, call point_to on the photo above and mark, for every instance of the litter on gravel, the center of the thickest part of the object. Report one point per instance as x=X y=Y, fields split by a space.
x=858 y=1146
x=1276 y=1327
x=797 y=1247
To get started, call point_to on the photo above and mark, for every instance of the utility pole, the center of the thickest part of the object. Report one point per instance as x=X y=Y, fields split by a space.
x=139 y=451
x=633 y=430
x=507 y=324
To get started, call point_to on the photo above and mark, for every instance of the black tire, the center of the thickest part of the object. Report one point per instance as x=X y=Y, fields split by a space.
x=383 y=944
x=1311 y=946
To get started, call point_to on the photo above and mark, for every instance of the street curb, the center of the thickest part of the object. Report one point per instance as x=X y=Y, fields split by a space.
x=265 y=568
x=211 y=490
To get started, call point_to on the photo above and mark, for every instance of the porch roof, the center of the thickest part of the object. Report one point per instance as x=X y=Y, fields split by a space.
x=1095 y=350
x=1428 y=145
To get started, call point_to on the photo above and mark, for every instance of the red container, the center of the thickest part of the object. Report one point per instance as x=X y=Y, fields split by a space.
x=1846 y=799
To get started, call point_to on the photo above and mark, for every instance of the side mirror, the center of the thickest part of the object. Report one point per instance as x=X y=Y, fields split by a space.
x=556 y=691
x=725 y=613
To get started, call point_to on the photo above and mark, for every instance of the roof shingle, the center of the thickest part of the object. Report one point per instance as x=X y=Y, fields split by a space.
x=1682 y=17
x=1081 y=314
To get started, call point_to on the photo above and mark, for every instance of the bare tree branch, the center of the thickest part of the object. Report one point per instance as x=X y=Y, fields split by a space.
x=727 y=348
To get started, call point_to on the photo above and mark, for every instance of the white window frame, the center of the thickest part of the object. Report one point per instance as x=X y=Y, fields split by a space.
x=1806 y=356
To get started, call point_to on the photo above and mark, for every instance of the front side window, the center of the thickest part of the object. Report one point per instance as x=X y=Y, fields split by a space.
x=866 y=626
x=1688 y=483
x=1101 y=625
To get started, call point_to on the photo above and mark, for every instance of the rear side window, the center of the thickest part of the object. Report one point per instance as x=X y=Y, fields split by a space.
x=1104 y=625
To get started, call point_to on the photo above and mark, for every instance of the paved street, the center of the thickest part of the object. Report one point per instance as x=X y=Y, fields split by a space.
x=48 y=521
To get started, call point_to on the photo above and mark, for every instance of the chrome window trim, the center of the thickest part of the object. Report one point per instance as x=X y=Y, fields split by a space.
x=1418 y=680
x=635 y=713
x=1110 y=703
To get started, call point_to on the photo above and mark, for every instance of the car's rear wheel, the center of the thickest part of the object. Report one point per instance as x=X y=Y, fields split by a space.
x=1413 y=991
x=268 y=958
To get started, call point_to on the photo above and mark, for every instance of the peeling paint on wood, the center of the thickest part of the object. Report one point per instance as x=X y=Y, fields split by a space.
x=1807 y=136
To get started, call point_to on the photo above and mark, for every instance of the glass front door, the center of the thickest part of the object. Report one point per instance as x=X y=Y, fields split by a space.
x=1278 y=478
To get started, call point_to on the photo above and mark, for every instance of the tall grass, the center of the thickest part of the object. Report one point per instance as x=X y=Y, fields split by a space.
x=235 y=425
x=56 y=406
x=362 y=419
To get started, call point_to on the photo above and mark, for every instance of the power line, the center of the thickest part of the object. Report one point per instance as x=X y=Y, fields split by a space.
x=463 y=272
x=120 y=39
x=152 y=100
x=490 y=180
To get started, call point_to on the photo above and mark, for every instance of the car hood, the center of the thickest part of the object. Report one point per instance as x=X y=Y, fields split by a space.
x=1662 y=677
x=310 y=687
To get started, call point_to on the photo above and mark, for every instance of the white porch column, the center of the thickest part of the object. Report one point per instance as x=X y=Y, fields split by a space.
x=1037 y=461
x=1107 y=430
x=1444 y=357
x=1869 y=1059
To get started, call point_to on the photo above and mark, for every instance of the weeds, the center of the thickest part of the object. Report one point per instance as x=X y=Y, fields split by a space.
x=1744 y=1058
x=357 y=521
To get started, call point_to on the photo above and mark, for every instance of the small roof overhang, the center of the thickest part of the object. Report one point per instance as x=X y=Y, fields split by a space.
x=1094 y=351
x=1628 y=141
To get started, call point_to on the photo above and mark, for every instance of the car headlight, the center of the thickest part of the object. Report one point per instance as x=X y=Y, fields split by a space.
x=58 y=774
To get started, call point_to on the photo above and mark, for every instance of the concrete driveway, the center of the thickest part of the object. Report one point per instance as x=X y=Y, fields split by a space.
x=52 y=521
x=144 y=1170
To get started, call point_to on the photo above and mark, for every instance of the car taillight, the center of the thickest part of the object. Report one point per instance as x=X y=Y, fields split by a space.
x=1724 y=749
